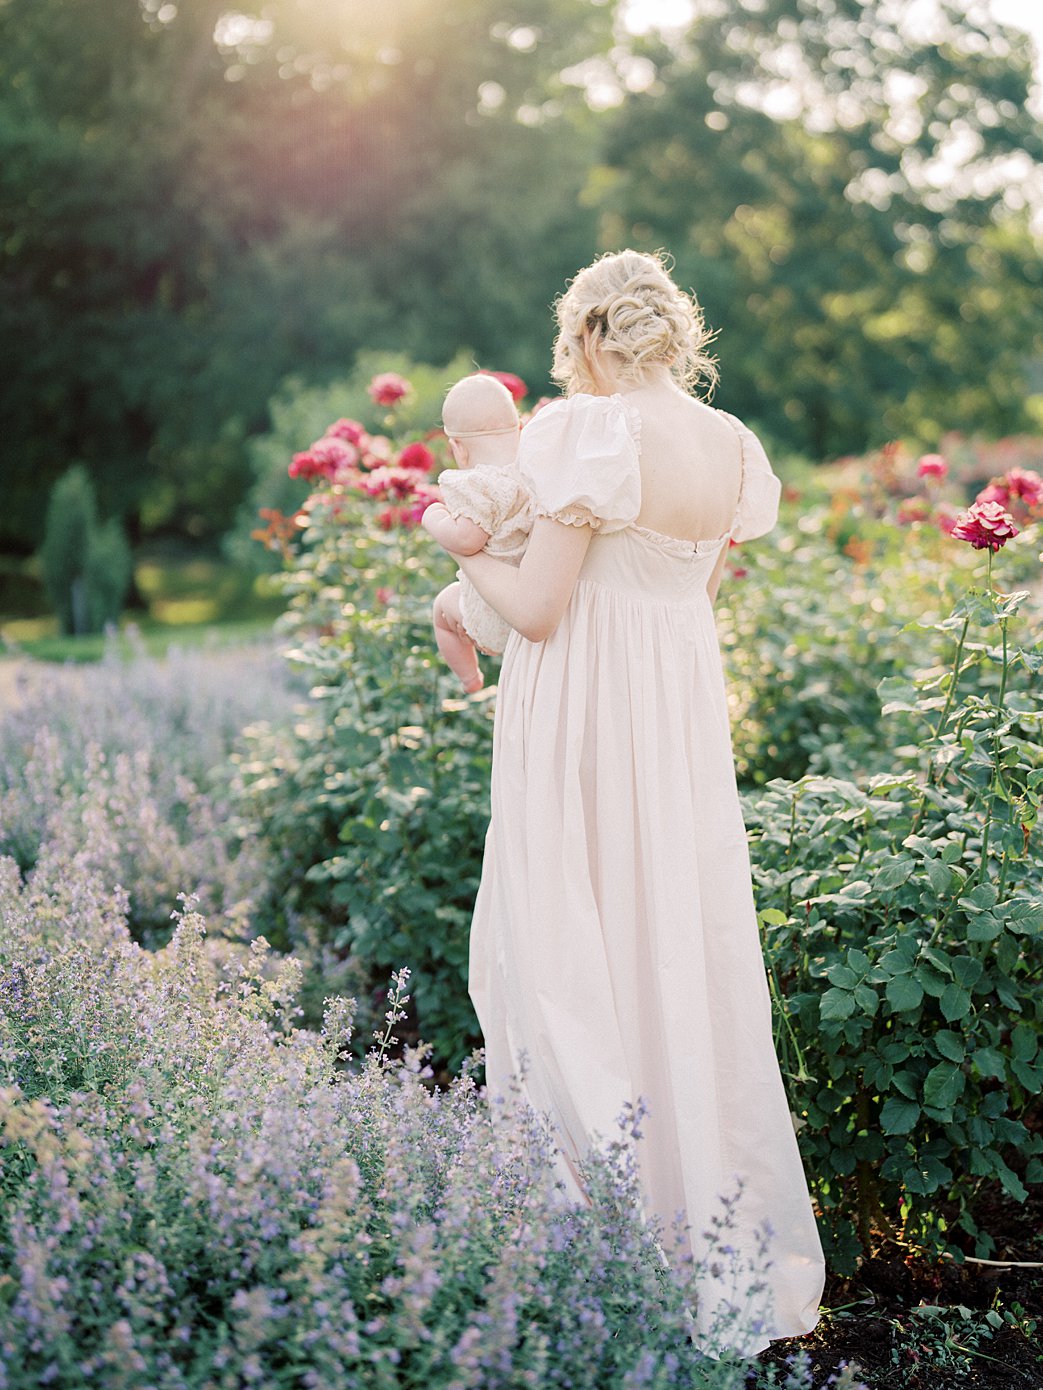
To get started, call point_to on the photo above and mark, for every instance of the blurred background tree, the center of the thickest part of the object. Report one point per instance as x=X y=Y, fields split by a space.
x=199 y=203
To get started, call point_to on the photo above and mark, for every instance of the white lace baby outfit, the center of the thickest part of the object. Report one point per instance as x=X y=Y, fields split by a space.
x=615 y=943
x=497 y=500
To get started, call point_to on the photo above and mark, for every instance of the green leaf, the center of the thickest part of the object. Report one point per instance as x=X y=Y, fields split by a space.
x=842 y=976
x=944 y=1086
x=955 y=1003
x=898 y=1116
x=836 y=1004
x=867 y=999
x=983 y=926
x=904 y=992
x=1023 y=916
x=891 y=875
x=989 y=1062
x=950 y=1045
x=858 y=960
x=941 y=875
x=1023 y=1042
x=1028 y=1075
x=928 y=1176
x=772 y=917
x=967 y=970
x=980 y=898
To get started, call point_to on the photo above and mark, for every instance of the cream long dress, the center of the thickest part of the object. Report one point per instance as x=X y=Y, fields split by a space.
x=615 y=945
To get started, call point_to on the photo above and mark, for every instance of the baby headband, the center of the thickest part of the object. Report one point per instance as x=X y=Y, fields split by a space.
x=475 y=434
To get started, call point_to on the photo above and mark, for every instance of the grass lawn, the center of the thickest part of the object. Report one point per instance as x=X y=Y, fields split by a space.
x=190 y=599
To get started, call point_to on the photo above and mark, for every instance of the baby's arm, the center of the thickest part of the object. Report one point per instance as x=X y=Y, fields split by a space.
x=461 y=536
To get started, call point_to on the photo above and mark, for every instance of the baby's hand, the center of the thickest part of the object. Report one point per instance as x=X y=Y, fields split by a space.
x=459 y=536
x=434 y=517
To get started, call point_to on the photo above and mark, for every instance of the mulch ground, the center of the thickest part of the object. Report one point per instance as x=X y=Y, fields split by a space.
x=897 y=1349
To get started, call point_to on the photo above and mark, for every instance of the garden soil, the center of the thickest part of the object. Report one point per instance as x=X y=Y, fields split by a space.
x=895 y=1349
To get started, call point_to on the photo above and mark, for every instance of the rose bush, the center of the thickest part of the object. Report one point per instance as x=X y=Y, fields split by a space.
x=902 y=919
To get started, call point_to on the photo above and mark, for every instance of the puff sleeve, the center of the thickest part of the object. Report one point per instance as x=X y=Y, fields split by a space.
x=758 y=508
x=580 y=457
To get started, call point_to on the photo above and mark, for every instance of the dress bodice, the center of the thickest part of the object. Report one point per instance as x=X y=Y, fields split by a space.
x=650 y=566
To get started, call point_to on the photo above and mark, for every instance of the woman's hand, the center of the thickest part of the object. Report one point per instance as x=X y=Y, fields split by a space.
x=532 y=597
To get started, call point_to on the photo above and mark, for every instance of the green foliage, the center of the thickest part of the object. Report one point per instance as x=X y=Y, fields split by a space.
x=902 y=918
x=187 y=222
x=377 y=802
x=857 y=298
x=87 y=567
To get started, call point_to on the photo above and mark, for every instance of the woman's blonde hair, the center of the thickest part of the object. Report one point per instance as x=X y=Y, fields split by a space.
x=626 y=307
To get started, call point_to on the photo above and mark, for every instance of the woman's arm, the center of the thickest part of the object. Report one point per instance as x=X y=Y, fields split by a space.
x=714 y=581
x=532 y=597
x=459 y=535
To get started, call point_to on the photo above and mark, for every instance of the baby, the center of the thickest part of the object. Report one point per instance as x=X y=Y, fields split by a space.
x=485 y=506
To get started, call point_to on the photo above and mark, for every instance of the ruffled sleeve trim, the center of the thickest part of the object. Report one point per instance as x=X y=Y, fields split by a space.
x=580 y=456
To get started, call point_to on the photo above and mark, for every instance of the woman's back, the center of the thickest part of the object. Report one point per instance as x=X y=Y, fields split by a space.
x=691 y=464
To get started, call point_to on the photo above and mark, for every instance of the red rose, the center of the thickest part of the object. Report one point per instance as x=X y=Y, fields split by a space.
x=417 y=456
x=387 y=388
x=985 y=525
x=513 y=383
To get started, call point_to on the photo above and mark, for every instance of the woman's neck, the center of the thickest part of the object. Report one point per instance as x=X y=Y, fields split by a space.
x=610 y=385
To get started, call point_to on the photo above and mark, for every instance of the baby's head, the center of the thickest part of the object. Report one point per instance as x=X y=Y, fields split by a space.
x=481 y=422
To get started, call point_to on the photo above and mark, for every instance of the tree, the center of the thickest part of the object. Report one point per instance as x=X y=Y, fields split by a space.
x=199 y=203
x=837 y=190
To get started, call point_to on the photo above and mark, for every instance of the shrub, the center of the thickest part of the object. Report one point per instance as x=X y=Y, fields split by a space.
x=86 y=566
x=299 y=412
x=818 y=620
x=195 y=1195
x=377 y=805
x=902 y=917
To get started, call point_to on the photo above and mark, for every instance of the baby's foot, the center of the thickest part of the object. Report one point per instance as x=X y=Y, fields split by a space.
x=473 y=683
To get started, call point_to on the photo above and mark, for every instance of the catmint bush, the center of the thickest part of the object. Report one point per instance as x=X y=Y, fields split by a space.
x=124 y=767
x=196 y=1192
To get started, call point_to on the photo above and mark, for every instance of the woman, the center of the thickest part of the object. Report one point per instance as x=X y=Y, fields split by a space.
x=614 y=949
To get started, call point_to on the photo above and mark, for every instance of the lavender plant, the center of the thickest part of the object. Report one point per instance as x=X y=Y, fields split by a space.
x=124 y=767
x=197 y=1193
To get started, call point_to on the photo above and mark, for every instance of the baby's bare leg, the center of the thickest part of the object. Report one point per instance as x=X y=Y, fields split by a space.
x=456 y=647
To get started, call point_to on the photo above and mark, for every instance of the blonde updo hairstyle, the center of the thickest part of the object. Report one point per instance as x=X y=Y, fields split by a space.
x=626 y=310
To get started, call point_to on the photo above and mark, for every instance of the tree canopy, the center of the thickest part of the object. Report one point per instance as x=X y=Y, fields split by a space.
x=198 y=202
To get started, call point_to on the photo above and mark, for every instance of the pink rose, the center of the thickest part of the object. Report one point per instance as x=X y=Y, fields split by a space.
x=325 y=459
x=388 y=482
x=932 y=466
x=387 y=388
x=1026 y=484
x=945 y=518
x=350 y=430
x=384 y=596
x=912 y=509
x=417 y=456
x=985 y=525
x=425 y=495
x=996 y=491
x=513 y=383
